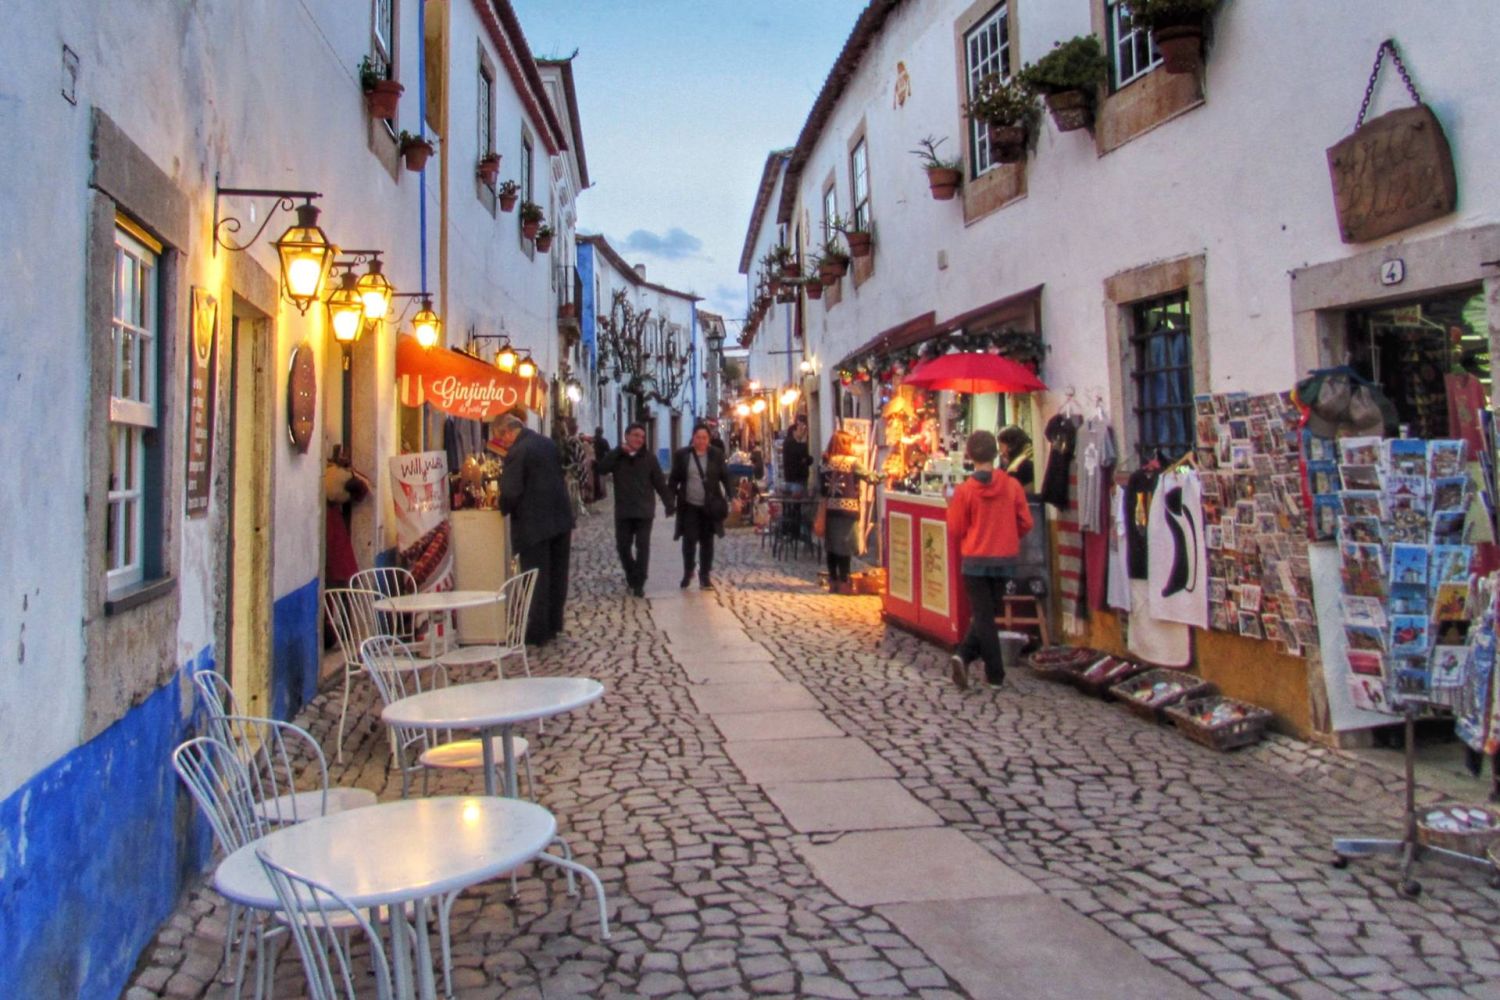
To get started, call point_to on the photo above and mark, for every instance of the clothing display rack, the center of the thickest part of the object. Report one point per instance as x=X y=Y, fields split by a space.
x=1409 y=847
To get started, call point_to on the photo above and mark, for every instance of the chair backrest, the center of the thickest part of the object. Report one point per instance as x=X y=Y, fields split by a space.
x=217 y=698
x=320 y=920
x=351 y=611
x=222 y=787
x=388 y=581
x=276 y=755
x=397 y=674
x=516 y=608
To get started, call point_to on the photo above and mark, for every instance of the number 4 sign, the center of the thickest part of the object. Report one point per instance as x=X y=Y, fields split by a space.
x=1393 y=272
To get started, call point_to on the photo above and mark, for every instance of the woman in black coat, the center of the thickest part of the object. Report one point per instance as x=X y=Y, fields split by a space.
x=700 y=483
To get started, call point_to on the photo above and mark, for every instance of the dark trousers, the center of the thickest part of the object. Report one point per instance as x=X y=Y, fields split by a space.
x=838 y=567
x=697 y=541
x=982 y=641
x=550 y=559
x=633 y=542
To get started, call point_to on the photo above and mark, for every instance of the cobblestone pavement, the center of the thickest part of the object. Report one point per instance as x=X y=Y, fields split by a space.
x=1213 y=866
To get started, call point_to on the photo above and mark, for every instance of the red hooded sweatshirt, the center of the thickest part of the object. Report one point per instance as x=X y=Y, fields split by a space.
x=989 y=519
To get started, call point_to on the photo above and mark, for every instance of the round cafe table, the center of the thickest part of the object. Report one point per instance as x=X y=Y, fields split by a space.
x=491 y=707
x=431 y=602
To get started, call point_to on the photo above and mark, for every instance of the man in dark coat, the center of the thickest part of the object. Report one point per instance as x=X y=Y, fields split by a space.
x=796 y=460
x=637 y=477
x=601 y=448
x=535 y=495
x=700 y=484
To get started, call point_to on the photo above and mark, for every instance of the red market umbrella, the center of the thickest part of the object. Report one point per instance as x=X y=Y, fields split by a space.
x=974 y=372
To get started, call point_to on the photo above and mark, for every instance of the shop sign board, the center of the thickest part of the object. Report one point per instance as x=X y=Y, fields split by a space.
x=898 y=569
x=200 y=401
x=1391 y=174
x=934 y=544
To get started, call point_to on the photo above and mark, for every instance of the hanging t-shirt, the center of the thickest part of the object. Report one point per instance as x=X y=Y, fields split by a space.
x=1062 y=435
x=1096 y=457
x=1118 y=581
x=1164 y=643
x=1138 y=490
x=1177 y=576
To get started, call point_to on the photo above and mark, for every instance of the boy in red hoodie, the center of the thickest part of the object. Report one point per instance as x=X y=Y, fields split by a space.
x=989 y=516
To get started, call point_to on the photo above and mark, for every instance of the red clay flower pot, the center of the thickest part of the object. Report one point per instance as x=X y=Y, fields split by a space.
x=544 y=243
x=859 y=244
x=943 y=182
x=815 y=290
x=528 y=229
x=417 y=154
x=508 y=202
x=1071 y=110
x=489 y=168
x=1008 y=143
x=1181 y=47
x=383 y=98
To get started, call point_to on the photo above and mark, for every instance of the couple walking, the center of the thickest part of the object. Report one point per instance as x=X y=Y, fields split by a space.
x=697 y=491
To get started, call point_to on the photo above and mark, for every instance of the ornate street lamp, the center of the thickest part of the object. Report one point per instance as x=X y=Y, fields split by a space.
x=426 y=325
x=305 y=251
x=375 y=291
x=346 y=311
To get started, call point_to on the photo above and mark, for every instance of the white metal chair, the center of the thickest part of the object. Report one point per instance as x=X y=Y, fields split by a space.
x=512 y=607
x=273 y=752
x=320 y=920
x=389 y=581
x=351 y=612
x=397 y=674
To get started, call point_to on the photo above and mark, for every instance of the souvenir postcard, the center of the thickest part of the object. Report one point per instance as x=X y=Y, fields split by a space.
x=1302 y=610
x=1239 y=430
x=1363 y=569
x=1408 y=520
x=1363 y=610
x=1265 y=502
x=1325 y=514
x=1228 y=534
x=1450 y=633
x=1266 y=523
x=1323 y=477
x=1361 y=503
x=1361 y=529
x=1448 y=664
x=1409 y=634
x=1406 y=457
x=1262 y=465
x=1445 y=458
x=1408 y=564
x=1413 y=680
x=1360 y=477
x=1271 y=626
x=1244 y=513
x=1318 y=448
x=1249 y=598
x=1217 y=589
x=1448 y=526
x=1366 y=664
x=1241 y=456
x=1359 y=450
x=1415 y=487
x=1289 y=640
x=1208 y=431
x=1238 y=403
x=1450 y=563
x=1213 y=537
x=1221 y=616
x=1451 y=603
x=1407 y=599
x=1203 y=403
x=1366 y=638
x=1250 y=625
x=1449 y=493
x=1307 y=634
x=1368 y=693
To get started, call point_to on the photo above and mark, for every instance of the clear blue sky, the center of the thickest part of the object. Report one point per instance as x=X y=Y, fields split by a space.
x=681 y=100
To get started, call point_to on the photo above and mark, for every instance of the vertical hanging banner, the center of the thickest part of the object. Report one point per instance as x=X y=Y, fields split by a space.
x=200 y=401
x=864 y=450
x=419 y=490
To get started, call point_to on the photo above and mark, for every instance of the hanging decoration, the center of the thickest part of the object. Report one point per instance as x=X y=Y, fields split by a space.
x=888 y=366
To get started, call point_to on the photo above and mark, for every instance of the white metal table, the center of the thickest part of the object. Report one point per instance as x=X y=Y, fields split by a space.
x=491 y=707
x=431 y=602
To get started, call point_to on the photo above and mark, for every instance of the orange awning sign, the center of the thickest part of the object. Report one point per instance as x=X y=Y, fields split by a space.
x=461 y=385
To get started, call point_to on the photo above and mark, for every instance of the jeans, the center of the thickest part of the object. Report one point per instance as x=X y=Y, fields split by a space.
x=697 y=541
x=982 y=641
x=550 y=559
x=633 y=542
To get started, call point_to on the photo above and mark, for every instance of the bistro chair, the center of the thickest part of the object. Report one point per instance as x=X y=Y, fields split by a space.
x=512 y=607
x=397 y=674
x=389 y=581
x=273 y=752
x=320 y=921
x=351 y=612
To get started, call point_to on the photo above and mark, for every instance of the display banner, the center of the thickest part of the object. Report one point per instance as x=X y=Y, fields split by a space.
x=864 y=450
x=461 y=385
x=200 y=401
x=419 y=489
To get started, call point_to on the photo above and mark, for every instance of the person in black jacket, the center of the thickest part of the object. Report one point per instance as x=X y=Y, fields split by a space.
x=535 y=495
x=700 y=483
x=601 y=448
x=637 y=476
x=796 y=460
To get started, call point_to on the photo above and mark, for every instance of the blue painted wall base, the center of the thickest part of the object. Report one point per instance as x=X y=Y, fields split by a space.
x=295 y=656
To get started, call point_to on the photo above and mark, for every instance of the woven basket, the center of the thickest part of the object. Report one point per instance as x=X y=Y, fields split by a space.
x=1240 y=732
x=1474 y=843
x=1099 y=677
x=1064 y=670
x=1052 y=657
x=1188 y=686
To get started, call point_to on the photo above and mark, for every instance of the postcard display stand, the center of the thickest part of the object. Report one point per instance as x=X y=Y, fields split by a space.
x=1406 y=596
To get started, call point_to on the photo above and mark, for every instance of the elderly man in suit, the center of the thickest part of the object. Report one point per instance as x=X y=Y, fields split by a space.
x=534 y=494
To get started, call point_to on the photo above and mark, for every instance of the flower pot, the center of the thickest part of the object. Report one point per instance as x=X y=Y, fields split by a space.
x=838 y=267
x=790 y=270
x=1071 y=109
x=567 y=310
x=528 y=229
x=383 y=98
x=1181 y=47
x=829 y=273
x=489 y=168
x=1008 y=143
x=815 y=290
x=943 y=182
x=416 y=154
x=508 y=202
x=859 y=244
x=787 y=295
x=544 y=243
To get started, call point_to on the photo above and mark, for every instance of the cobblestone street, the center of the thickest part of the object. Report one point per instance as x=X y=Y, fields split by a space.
x=1026 y=842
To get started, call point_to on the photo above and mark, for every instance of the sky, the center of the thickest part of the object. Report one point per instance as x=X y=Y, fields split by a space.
x=680 y=102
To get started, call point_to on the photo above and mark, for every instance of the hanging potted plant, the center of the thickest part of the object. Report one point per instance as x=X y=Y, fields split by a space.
x=857 y=235
x=1067 y=77
x=784 y=259
x=531 y=219
x=943 y=176
x=833 y=262
x=381 y=95
x=489 y=168
x=416 y=149
x=544 y=238
x=1177 y=27
x=814 y=287
x=1009 y=108
x=508 y=191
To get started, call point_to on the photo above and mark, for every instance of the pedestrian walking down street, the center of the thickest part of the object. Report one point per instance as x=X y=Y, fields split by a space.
x=638 y=482
x=700 y=485
x=989 y=516
x=839 y=481
x=535 y=495
x=601 y=448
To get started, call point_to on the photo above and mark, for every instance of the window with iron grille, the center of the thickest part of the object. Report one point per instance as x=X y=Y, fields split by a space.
x=486 y=113
x=859 y=185
x=986 y=53
x=1162 y=375
x=1132 y=52
x=132 y=404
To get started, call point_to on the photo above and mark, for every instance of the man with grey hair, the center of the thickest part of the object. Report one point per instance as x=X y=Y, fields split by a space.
x=534 y=494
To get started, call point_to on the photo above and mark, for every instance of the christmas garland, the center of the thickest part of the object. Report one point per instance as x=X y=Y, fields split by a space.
x=887 y=366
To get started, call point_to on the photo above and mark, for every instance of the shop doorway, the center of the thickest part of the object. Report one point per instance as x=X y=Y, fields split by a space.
x=247 y=587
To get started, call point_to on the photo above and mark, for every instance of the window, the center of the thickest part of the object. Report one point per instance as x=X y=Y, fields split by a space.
x=1133 y=52
x=859 y=185
x=486 y=112
x=525 y=182
x=132 y=403
x=383 y=36
x=1162 y=370
x=830 y=211
x=986 y=53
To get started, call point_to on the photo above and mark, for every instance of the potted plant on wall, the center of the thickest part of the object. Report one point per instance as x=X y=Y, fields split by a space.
x=943 y=176
x=544 y=238
x=531 y=219
x=415 y=149
x=858 y=235
x=509 y=192
x=1009 y=107
x=1067 y=78
x=1177 y=27
x=833 y=262
x=812 y=284
x=489 y=168
x=785 y=260
x=381 y=95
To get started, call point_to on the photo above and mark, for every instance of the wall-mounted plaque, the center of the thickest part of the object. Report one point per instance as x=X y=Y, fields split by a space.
x=200 y=401
x=1391 y=174
x=302 y=398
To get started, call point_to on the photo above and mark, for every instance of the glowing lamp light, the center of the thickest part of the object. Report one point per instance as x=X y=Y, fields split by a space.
x=754 y=386
x=375 y=292
x=526 y=369
x=574 y=393
x=426 y=325
x=759 y=406
x=506 y=360
x=306 y=256
x=346 y=312
x=742 y=409
x=789 y=397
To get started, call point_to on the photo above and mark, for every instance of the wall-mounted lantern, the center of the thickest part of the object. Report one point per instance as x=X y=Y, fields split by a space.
x=305 y=251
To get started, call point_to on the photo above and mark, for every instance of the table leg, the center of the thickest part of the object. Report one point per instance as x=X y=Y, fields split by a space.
x=508 y=747
x=487 y=748
x=425 y=976
x=400 y=958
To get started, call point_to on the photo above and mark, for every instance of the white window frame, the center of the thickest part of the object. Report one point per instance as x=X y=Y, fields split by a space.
x=1132 y=53
x=383 y=36
x=986 y=53
x=859 y=185
x=830 y=210
x=134 y=341
x=486 y=102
